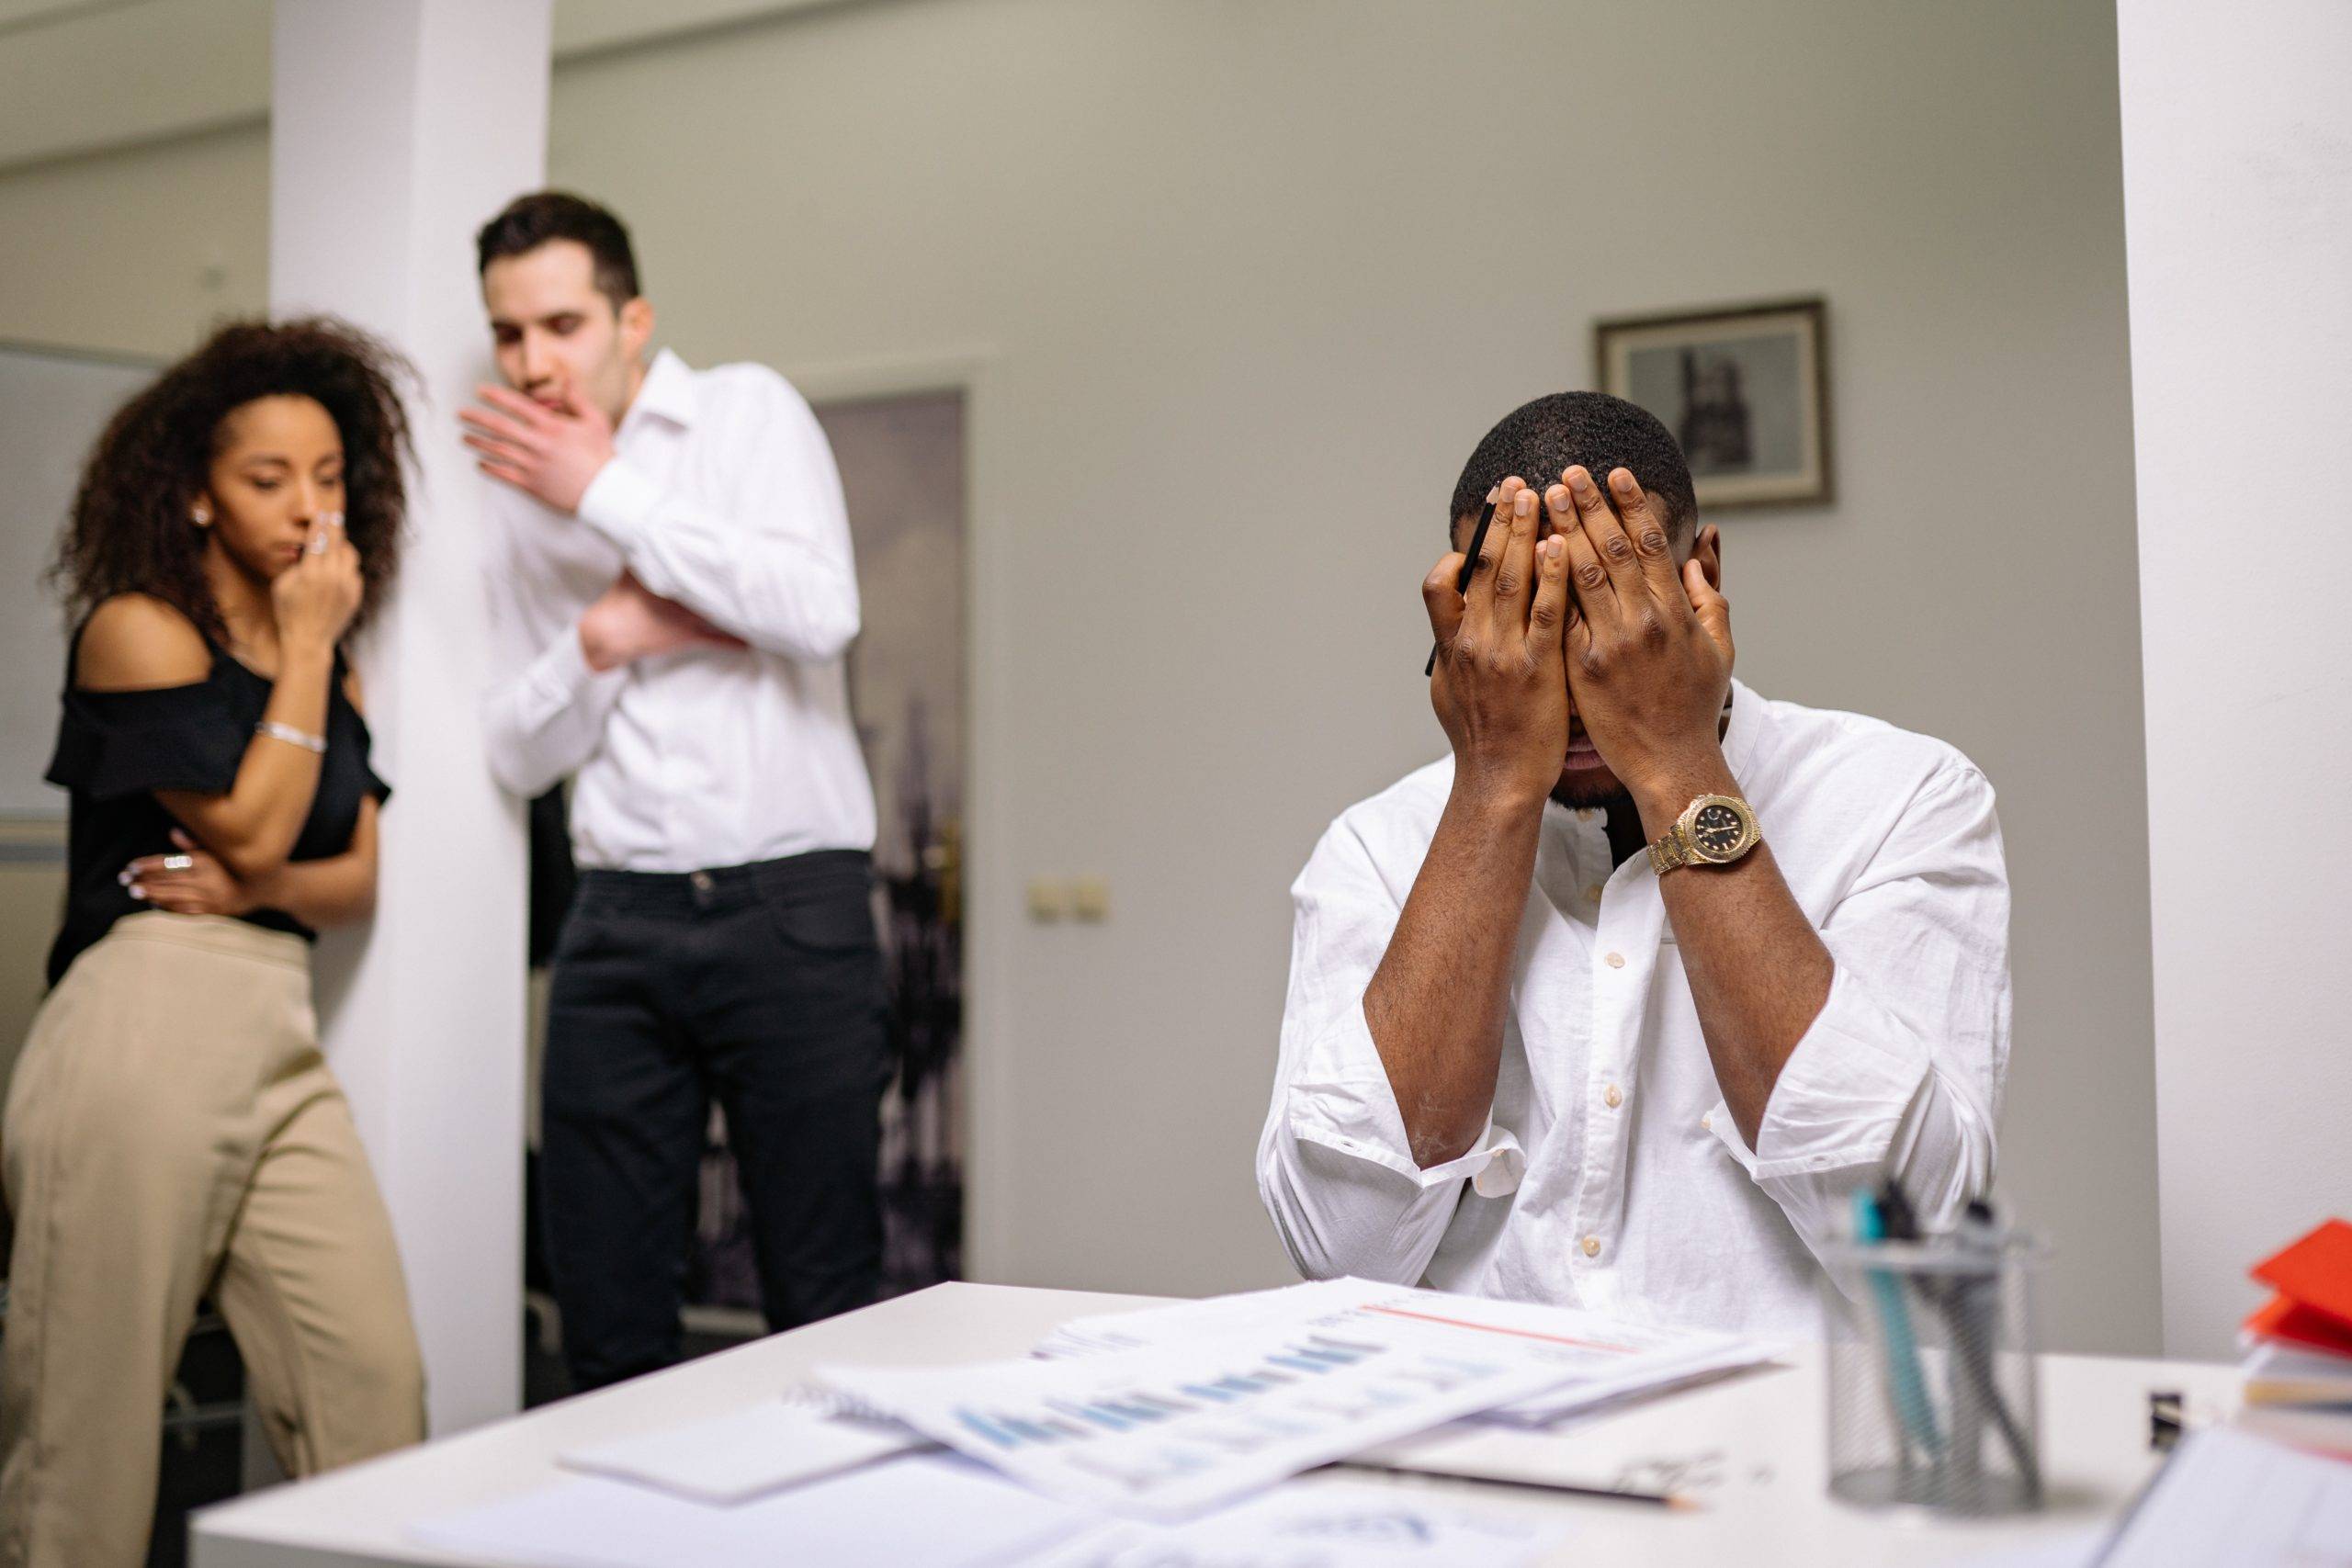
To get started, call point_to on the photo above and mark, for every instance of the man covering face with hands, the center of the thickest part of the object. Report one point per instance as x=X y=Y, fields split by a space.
x=1616 y=1005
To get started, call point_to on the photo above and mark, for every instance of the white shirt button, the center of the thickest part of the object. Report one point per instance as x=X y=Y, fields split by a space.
x=1592 y=1246
x=1614 y=1097
x=1615 y=961
x=1584 y=813
x=1592 y=894
x=1707 y=1123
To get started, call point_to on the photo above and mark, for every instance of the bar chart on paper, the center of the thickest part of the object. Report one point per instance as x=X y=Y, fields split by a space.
x=1595 y=1359
x=1161 y=1432
x=1240 y=1420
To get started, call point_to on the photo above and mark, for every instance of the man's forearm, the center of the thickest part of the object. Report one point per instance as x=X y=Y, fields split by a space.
x=544 y=720
x=1758 y=971
x=1435 y=1005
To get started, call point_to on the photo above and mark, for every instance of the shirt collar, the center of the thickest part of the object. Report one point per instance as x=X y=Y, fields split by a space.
x=668 y=393
x=1740 y=735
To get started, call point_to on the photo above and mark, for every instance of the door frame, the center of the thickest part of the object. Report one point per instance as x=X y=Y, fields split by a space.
x=988 y=909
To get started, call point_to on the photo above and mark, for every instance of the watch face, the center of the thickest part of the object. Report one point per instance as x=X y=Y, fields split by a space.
x=1716 y=831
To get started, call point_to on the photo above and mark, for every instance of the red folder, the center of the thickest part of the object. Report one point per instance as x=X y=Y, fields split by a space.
x=2285 y=1319
x=2313 y=1279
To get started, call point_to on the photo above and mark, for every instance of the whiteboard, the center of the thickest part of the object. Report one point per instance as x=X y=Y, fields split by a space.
x=54 y=404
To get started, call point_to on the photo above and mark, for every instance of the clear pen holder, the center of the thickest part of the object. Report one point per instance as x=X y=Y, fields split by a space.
x=1932 y=1375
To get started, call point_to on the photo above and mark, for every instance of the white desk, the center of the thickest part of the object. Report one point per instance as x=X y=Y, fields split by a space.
x=1769 y=1505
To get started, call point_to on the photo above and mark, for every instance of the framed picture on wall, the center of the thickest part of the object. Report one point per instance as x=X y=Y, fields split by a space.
x=1743 y=388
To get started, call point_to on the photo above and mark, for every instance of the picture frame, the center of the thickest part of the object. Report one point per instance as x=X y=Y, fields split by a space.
x=1744 y=389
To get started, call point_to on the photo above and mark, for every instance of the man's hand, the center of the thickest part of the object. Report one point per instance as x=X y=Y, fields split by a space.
x=630 y=622
x=552 y=453
x=1500 y=689
x=188 y=882
x=1649 y=651
x=1436 y=1004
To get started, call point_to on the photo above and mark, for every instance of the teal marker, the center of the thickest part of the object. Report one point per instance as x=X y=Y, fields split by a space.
x=1902 y=1349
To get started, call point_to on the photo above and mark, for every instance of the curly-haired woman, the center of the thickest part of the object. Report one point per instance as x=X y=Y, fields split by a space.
x=172 y=1129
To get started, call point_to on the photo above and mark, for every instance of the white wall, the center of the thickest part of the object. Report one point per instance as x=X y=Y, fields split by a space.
x=1226 y=272
x=52 y=407
x=2237 y=140
x=376 y=187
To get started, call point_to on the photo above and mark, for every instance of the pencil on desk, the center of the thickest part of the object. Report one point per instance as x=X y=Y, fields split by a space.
x=1682 y=1502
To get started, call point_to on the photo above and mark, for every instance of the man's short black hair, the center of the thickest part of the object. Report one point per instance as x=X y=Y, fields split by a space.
x=529 y=221
x=1537 y=441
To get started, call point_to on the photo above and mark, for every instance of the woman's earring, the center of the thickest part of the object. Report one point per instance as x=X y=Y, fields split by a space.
x=200 y=515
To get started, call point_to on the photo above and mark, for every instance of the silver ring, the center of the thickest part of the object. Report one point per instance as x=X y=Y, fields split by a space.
x=179 y=863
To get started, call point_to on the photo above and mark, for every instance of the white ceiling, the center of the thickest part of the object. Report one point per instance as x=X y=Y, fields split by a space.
x=79 y=76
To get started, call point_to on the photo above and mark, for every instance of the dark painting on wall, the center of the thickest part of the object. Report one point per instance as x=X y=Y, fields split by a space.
x=1745 y=389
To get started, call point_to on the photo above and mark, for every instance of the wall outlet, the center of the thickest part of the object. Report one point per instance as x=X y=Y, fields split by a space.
x=1050 y=900
x=1090 y=899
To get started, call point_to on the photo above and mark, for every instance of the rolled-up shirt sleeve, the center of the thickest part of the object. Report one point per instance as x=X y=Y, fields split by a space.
x=544 y=708
x=1901 y=1072
x=1335 y=1168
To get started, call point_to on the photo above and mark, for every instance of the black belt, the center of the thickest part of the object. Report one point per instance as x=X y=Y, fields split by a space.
x=816 y=875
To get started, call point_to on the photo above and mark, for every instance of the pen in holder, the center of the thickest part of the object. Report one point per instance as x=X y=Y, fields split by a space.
x=1931 y=1370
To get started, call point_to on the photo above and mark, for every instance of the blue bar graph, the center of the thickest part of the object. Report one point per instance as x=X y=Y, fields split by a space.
x=988 y=1430
x=1092 y=1413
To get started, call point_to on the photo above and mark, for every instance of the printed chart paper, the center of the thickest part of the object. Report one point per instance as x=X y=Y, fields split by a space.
x=1162 y=1430
x=926 y=1511
x=1601 y=1358
x=731 y=1457
x=1343 y=1524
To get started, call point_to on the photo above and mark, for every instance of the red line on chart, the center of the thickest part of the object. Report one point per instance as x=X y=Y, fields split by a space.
x=1496 y=1328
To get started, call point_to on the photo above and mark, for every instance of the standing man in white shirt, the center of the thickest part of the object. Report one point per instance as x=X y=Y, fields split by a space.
x=672 y=588
x=1618 y=1005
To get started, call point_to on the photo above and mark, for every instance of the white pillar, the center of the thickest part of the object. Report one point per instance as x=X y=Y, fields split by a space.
x=2237 y=184
x=397 y=126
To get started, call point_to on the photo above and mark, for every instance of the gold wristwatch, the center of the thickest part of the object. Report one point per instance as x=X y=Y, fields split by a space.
x=1714 y=829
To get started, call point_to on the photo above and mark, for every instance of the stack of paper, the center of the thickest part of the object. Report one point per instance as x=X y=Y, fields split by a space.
x=1601 y=1360
x=2299 y=1344
x=1164 y=1413
x=1129 y=1441
x=935 y=1510
x=774 y=1444
x=1167 y=1432
x=2229 y=1496
x=1333 y=1524
x=927 y=1510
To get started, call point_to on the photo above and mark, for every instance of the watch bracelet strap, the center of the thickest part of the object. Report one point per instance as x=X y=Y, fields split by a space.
x=1669 y=851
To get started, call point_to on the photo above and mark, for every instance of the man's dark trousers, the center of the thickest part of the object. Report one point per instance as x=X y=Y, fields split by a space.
x=759 y=984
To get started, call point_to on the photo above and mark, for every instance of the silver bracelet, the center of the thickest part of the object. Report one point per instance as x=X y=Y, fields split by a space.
x=291 y=736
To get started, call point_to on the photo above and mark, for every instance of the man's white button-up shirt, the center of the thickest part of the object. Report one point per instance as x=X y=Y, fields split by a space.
x=722 y=496
x=1610 y=1175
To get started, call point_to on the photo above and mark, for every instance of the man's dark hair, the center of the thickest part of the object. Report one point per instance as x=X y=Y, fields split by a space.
x=529 y=221
x=1538 y=440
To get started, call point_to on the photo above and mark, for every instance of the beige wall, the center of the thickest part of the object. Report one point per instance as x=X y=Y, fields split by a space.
x=1229 y=280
